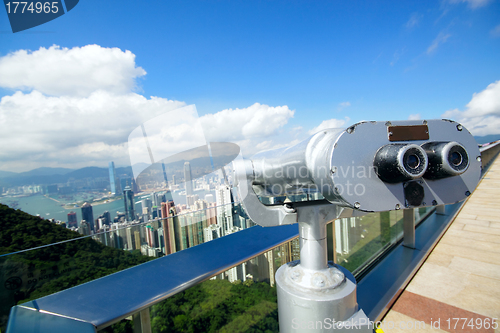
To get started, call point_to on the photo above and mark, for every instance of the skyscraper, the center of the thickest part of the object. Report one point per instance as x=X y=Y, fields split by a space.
x=107 y=217
x=167 y=213
x=128 y=200
x=224 y=198
x=88 y=215
x=188 y=178
x=84 y=228
x=127 y=181
x=72 y=220
x=113 y=180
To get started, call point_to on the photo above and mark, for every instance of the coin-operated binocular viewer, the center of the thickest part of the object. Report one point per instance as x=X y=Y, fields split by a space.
x=368 y=167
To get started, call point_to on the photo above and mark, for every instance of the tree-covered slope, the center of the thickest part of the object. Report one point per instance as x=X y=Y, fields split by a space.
x=37 y=273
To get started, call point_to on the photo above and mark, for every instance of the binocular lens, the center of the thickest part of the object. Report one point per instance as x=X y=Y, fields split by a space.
x=446 y=159
x=395 y=163
x=456 y=158
x=412 y=161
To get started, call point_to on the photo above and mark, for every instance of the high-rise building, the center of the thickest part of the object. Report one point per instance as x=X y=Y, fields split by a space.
x=211 y=213
x=88 y=215
x=128 y=200
x=237 y=273
x=161 y=239
x=155 y=202
x=190 y=200
x=72 y=222
x=84 y=228
x=211 y=232
x=224 y=199
x=181 y=232
x=106 y=216
x=168 y=212
x=137 y=240
x=146 y=208
x=188 y=178
x=127 y=181
x=114 y=184
x=151 y=236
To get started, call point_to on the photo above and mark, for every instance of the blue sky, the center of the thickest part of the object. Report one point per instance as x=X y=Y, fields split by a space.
x=334 y=61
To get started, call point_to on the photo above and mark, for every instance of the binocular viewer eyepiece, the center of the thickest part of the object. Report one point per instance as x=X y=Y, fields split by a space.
x=433 y=160
x=375 y=166
x=446 y=159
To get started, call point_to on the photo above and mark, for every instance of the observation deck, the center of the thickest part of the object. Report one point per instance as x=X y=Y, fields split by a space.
x=461 y=277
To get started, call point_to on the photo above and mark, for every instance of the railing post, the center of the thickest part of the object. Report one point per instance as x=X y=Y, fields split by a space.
x=440 y=210
x=142 y=321
x=409 y=228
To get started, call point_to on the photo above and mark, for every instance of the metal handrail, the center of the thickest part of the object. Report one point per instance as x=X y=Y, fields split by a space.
x=107 y=300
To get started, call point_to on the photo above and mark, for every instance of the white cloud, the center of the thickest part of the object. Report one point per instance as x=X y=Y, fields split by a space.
x=72 y=131
x=79 y=110
x=415 y=116
x=440 y=39
x=482 y=114
x=255 y=121
x=69 y=131
x=495 y=32
x=397 y=55
x=473 y=4
x=413 y=21
x=78 y=71
x=330 y=123
x=344 y=105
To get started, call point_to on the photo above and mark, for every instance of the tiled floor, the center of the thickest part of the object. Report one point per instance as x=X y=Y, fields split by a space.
x=461 y=277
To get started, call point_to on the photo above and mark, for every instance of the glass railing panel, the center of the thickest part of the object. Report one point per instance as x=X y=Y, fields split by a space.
x=40 y=272
x=242 y=299
x=64 y=258
x=358 y=240
x=421 y=214
x=218 y=305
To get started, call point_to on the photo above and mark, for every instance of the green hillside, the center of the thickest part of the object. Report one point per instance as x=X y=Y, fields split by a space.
x=37 y=273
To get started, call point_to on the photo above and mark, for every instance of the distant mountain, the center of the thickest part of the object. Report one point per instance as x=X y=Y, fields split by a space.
x=487 y=138
x=45 y=171
x=47 y=176
x=88 y=172
x=223 y=153
x=7 y=174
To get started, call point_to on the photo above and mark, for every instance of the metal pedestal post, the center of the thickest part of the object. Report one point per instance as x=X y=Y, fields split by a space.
x=314 y=294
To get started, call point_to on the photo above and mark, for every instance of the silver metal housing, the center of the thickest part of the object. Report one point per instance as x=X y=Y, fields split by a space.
x=339 y=164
